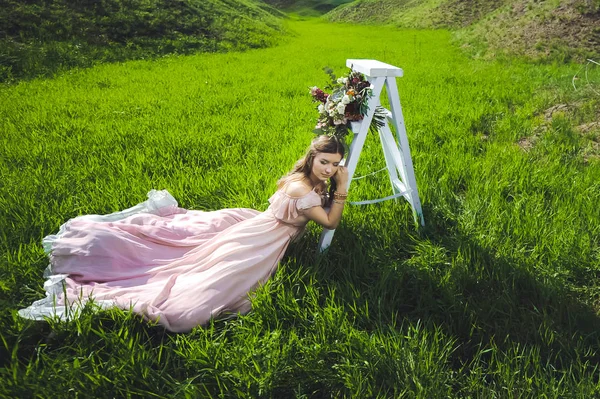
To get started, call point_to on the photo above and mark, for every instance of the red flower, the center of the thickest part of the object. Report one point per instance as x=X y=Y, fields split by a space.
x=320 y=95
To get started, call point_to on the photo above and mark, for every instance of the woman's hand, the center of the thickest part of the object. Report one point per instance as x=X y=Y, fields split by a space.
x=341 y=178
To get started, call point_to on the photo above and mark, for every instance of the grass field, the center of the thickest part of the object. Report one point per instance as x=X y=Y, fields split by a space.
x=39 y=38
x=497 y=297
x=541 y=31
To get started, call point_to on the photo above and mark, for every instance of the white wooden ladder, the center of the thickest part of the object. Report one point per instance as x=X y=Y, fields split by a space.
x=397 y=154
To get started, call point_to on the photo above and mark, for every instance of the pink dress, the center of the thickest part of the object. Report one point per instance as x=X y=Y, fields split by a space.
x=175 y=266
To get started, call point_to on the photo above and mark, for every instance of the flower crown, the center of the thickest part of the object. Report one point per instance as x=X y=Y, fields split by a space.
x=347 y=102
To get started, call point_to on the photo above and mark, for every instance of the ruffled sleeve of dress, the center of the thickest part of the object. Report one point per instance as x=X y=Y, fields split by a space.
x=287 y=208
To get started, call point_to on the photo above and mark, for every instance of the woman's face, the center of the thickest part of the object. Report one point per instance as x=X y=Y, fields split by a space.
x=325 y=165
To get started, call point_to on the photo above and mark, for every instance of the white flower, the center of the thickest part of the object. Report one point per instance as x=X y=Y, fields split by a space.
x=340 y=80
x=341 y=108
x=344 y=80
x=332 y=112
x=321 y=108
x=346 y=99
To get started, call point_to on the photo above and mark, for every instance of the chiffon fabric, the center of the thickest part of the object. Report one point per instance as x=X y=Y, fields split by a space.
x=171 y=265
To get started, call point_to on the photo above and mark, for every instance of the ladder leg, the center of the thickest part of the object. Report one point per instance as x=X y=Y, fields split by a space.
x=396 y=157
x=406 y=165
x=325 y=240
x=359 y=139
x=389 y=159
x=355 y=149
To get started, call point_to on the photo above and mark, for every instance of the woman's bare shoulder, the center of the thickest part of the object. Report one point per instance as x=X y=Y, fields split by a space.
x=297 y=189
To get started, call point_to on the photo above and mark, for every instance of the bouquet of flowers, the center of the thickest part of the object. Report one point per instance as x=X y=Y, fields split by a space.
x=346 y=103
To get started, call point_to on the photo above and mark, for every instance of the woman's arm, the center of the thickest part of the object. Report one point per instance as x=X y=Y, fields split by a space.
x=331 y=220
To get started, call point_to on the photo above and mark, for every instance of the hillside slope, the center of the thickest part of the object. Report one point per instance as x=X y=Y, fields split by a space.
x=555 y=29
x=307 y=6
x=38 y=37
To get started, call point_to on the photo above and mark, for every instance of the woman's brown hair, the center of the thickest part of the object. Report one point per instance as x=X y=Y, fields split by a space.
x=302 y=169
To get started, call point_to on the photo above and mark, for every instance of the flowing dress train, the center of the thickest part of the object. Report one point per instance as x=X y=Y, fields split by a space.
x=175 y=266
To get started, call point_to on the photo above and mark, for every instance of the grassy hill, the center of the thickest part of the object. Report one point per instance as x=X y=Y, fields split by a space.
x=496 y=297
x=39 y=37
x=306 y=7
x=555 y=29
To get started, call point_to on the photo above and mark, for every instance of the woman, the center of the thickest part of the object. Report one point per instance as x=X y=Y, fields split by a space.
x=181 y=267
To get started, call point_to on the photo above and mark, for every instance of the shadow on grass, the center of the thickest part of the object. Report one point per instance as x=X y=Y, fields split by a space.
x=441 y=277
x=437 y=277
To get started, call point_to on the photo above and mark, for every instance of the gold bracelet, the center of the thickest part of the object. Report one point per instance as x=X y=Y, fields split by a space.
x=339 y=202
x=338 y=195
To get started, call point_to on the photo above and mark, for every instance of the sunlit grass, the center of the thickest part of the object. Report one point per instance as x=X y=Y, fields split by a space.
x=495 y=297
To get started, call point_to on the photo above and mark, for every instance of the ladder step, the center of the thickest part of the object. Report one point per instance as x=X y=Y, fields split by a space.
x=374 y=68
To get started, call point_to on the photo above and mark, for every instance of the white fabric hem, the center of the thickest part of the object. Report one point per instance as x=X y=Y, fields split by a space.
x=54 y=285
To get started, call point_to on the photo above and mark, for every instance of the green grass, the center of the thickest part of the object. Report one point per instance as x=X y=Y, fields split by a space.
x=542 y=31
x=407 y=13
x=496 y=297
x=306 y=7
x=41 y=38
